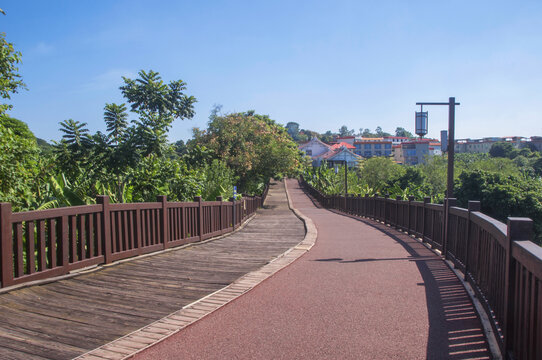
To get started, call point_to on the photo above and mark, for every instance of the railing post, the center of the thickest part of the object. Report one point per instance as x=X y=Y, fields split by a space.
x=221 y=213
x=426 y=200
x=106 y=226
x=164 y=219
x=374 y=201
x=233 y=213
x=65 y=243
x=518 y=229
x=449 y=203
x=386 y=220
x=410 y=200
x=473 y=206
x=200 y=217
x=6 y=244
x=397 y=199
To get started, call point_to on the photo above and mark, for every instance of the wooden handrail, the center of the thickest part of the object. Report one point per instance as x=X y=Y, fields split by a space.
x=44 y=243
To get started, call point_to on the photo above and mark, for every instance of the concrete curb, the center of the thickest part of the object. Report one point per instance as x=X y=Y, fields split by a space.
x=129 y=345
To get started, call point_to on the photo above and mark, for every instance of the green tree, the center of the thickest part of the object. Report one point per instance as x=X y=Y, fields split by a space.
x=10 y=80
x=19 y=156
x=434 y=171
x=379 y=171
x=343 y=131
x=502 y=195
x=327 y=137
x=503 y=150
x=293 y=130
x=368 y=134
x=380 y=133
x=116 y=120
x=399 y=131
x=253 y=145
x=157 y=104
x=72 y=152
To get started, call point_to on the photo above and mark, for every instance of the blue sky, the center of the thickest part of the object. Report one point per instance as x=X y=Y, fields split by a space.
x=322 y=64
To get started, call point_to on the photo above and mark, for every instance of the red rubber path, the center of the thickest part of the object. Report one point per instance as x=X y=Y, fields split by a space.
x=364 y=291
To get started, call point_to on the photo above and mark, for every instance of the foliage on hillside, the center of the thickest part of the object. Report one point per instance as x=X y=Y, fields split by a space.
x=506 y=187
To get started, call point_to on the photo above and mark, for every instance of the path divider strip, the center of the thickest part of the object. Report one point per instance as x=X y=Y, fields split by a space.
x=141 y=339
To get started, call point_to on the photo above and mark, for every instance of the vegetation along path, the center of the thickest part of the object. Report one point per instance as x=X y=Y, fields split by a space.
x=363 y=291
x=66 y=318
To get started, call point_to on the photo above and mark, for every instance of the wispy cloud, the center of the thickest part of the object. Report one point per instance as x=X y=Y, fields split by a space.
x=44 y=49
x=109 y=79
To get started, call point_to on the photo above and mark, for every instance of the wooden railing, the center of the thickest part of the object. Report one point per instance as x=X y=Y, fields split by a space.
x=501 y=263
x=41 y=244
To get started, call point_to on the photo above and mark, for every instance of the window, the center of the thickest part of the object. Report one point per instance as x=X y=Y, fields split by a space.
x=378 y=153
x=367 y=146
x=308 y=152
x=387 y=152
x=367 y=154
x=378 y=146
x=387 y=146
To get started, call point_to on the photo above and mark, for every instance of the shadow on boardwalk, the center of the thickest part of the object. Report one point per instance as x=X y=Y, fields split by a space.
x=454 y=328
x=66 y=318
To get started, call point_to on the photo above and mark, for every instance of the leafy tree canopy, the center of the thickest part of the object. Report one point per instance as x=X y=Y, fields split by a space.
x=378 y=171
x=503 y=150
x=399 y=131
x=253 y=145
x=18 y=127
x=343 y=131
x=10 y=80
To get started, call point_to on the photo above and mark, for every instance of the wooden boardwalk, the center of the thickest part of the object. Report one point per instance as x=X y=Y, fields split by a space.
x=66 y=318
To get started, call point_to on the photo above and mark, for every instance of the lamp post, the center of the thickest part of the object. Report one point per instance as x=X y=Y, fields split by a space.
x=451 y=152
x=345 y=174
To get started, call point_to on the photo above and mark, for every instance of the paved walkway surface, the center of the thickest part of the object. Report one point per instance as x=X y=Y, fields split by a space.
x=67 y=318
x=364 y=291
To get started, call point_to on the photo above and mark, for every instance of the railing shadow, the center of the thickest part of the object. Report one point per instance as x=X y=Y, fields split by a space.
x=454 y=330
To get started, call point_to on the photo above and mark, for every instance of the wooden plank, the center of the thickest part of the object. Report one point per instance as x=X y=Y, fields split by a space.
x=18 y=251
x=30 y=245
x=73 y=238
x=42 y=254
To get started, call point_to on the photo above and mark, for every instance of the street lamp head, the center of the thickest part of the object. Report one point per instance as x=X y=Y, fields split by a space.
x=421 y=123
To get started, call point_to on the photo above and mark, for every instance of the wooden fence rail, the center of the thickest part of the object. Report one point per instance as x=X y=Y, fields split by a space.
x=45 y=243
x=501 y=263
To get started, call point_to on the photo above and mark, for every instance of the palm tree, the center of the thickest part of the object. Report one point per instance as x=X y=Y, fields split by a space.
x=116 y=119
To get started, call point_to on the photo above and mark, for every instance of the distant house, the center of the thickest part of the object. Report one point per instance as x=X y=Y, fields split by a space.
x=482 y=146
x=343 y=144
x=314 y=147
x=369 y=147
x=397 y=140
x=346 y=139
x=338 y=156
x=536 y=141
x=415 y=151
x=333 y=154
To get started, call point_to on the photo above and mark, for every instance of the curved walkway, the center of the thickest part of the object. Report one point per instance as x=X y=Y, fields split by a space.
x=364 y=291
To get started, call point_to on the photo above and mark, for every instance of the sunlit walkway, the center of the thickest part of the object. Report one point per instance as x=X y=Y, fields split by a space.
x=363 y=291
